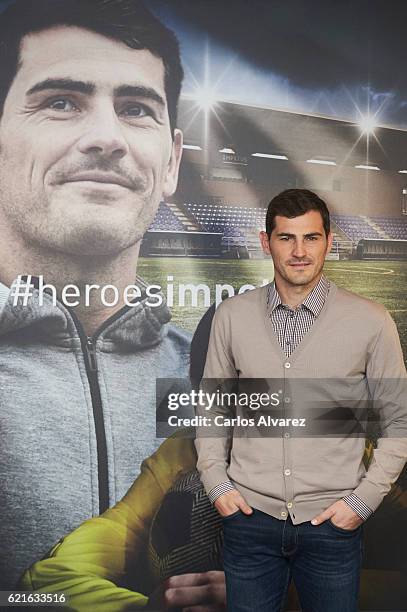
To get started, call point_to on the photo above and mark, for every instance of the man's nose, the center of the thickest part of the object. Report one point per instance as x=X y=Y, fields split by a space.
x=103 y=134
x=298 y=249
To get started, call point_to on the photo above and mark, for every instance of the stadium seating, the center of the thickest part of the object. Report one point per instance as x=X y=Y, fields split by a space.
x=217 y=217
x=234 y=222
x=394 y=227
x=355 y=227
x=165 y=220
x=237 y=223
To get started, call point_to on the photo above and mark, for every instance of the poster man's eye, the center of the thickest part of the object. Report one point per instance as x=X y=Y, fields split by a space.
x=62 y=104
x=137 y=110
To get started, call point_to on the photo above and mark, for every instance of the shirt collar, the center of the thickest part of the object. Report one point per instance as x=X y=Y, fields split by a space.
x=313 y=302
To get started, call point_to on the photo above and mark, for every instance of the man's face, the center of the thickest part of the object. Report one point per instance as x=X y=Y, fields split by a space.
x=298 y=247
x=86 y=152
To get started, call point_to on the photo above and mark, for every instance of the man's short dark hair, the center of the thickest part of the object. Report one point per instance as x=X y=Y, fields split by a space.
x=128 y=21
x=293 y=203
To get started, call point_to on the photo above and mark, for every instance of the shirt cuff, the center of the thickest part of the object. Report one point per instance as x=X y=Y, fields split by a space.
x=220 y=489
x=358 y=506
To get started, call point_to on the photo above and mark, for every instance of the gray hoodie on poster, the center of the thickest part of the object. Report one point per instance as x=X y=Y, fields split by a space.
x=77 y=416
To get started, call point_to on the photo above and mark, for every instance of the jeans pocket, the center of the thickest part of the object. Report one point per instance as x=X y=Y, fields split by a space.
x=344 y=531
x=230 y=516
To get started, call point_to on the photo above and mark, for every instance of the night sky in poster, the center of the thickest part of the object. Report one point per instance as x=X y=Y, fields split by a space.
x=339 y=59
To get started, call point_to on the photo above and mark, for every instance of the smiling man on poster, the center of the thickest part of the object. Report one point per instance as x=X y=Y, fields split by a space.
x=293 y=506
x=88 y=148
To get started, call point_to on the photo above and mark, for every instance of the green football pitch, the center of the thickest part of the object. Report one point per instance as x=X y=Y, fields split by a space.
x=382 y=281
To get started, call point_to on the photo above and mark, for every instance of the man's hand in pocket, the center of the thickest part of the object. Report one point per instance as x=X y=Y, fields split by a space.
x=230 y=502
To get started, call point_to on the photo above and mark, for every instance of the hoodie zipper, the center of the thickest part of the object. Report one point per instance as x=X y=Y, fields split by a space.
x=89 y=350
x=88 y=344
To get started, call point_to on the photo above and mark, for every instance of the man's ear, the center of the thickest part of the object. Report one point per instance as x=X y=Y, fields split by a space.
x=330 y=239
x=171 y=181
x=265 y=242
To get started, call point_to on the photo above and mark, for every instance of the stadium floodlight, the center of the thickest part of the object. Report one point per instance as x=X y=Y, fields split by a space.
x=269 y=156
x=402 y=171
x=191 y=147
x=205 y=98
x=367 y=124
x=227 y=150
x=367 y=167
x=323 y=162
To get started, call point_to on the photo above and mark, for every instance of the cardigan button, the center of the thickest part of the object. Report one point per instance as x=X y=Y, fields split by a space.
x=287 y=364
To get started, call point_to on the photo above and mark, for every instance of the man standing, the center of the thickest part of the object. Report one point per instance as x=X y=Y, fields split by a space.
x=88 y=147
x=293 y=506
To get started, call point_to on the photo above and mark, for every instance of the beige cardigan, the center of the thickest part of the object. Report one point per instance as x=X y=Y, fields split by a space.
x=355 y=343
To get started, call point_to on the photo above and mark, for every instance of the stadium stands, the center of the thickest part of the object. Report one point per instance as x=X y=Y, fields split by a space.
x=239 y=226
x=355 y=227
x=358 y=227
x=166 y=220
x=217 y=217
x=394 y=227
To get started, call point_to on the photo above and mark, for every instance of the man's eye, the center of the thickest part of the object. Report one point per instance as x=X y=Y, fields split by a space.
x=137 y=110
x=62 y=104
x=311 y=238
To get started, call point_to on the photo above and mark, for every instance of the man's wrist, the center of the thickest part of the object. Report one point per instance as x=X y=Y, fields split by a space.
x=358 y=506
x=220 y=489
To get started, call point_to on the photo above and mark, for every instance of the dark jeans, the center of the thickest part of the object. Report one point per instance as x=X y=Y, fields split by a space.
x=262 y=554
